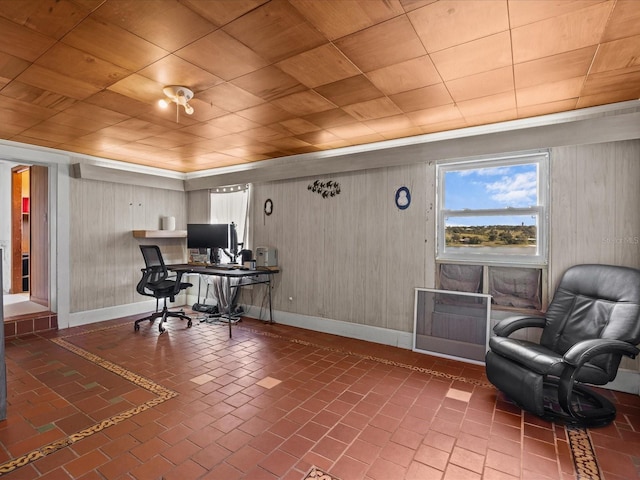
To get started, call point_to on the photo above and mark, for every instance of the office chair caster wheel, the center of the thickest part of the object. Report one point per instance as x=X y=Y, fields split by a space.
x=189 y=323
x=161 y=329
x=136 y=327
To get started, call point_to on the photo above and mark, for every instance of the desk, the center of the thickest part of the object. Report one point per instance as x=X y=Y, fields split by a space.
x=246 y=277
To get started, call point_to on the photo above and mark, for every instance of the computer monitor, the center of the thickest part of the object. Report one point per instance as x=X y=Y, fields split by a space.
x=214 y=236
x=208 y=235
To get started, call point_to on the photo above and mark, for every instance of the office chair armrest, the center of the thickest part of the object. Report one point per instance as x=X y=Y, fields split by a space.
x=584 y=351
x=506 y=327
x=144 y=281
x=178 y=283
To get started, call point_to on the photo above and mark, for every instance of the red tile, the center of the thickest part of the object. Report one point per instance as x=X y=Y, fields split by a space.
x=432 y=457
x=278 y=462
x=188 y=470
x=344 y=433
x=419 y=471
x=397 y=454
x=180 y=452
x=119 y=466
x=86 y=463
x=504 y=463
x=384 y=470
x=455 y=472
x=349 y=468
x=24 y=327
x=246 y=458
x=363 y=451
x=329 y=448
x=375 y=435
x=440 y=441
x=210 y=456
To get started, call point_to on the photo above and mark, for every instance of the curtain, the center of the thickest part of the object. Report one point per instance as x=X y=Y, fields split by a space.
x=232 y=206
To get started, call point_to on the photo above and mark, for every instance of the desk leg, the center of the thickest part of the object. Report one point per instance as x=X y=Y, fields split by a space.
x=270 y=309
x=229 y=302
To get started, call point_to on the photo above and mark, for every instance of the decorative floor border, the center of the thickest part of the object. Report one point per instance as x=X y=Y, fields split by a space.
x=582 y=451
x=163 y=394
x=316 y=474
x=583 y=454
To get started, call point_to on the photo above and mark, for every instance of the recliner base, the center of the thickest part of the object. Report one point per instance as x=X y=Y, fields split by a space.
x=589 y=409
x=538 y=395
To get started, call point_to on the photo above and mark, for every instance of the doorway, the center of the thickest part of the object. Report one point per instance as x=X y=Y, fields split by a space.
x=30 y=234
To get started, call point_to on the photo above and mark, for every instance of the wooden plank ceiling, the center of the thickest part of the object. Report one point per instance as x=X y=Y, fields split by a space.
x=274 y=78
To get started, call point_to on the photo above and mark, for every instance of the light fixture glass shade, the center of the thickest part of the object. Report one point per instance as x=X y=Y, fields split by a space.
x=178 y=95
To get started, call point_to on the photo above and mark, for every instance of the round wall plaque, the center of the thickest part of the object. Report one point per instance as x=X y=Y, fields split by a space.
x=268 y=206
x=403 y=198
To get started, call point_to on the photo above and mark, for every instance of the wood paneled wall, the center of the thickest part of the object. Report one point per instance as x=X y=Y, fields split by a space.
x=105 y=257
x=356 y=257
x=595 y=197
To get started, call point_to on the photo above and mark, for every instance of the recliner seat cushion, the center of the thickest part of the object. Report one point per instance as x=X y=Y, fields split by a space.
x=542 y=360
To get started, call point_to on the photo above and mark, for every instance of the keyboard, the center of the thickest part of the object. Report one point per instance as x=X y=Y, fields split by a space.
x=224 y=266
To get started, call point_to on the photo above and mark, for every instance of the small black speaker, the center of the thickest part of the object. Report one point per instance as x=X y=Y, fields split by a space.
x=245 y=256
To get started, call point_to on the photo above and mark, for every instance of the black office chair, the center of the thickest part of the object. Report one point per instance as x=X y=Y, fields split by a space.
x=155 y=282
x=593 y=320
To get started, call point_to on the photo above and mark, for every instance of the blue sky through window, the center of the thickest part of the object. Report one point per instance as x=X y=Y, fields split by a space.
x=498 y=187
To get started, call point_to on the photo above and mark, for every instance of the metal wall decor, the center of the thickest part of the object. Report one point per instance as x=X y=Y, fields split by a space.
x=325 y=189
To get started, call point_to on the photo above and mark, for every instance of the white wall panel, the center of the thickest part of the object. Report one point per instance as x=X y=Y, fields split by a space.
x=105 y=257
x=353 y=257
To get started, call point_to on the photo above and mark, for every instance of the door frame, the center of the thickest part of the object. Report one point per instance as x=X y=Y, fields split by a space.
x=16 y=228
x=16 y=236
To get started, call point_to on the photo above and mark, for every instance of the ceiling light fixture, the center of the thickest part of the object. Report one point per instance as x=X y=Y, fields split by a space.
x=178 y=95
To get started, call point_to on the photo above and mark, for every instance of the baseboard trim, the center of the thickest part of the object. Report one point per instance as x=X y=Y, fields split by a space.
x=88 y=317
x=626 y=381
x=384 y=336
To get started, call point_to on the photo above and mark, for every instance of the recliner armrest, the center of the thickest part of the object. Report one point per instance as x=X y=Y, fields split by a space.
x=584 y=351
x=506 y=327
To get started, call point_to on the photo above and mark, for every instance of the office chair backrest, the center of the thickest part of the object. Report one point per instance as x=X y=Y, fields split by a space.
x=594 y=301
x=154 y=262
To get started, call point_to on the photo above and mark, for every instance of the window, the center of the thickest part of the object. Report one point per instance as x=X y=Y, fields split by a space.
x=492 y=229
x=493 y=211
x=230 y=204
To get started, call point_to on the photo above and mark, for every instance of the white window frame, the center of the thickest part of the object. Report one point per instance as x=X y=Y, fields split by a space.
x=484 y=257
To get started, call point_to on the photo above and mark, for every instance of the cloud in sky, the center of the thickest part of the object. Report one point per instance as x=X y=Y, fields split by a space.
x=519 y=190
x=491 y=187
x=485 y=172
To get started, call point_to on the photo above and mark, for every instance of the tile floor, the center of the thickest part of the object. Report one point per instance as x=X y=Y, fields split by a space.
x=103 y=402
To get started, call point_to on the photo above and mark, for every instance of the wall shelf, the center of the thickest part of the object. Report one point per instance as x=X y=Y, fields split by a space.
x=160 y=233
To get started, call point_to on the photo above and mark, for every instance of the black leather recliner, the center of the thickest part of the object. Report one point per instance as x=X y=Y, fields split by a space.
x=156 y=282
x=593 y=319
